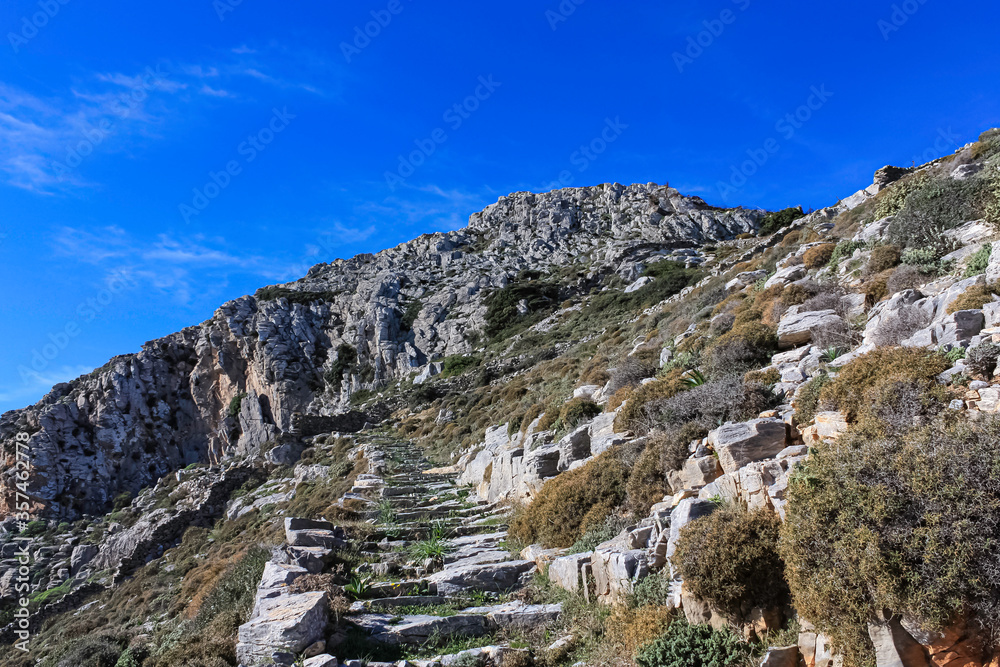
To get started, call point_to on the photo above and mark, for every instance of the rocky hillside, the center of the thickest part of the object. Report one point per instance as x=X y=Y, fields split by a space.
x=608 y=425
x=355 y=325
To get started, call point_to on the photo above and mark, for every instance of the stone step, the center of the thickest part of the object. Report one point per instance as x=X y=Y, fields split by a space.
x=471 y=622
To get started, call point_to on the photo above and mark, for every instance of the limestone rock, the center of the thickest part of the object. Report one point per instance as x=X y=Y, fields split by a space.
x=288 y=623
x=746 y=442
x=894 y=647
x=799 y=328
x=786 y=656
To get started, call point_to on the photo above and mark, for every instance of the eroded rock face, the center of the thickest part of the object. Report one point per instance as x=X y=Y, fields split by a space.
x=746 y=442
x=243 y=378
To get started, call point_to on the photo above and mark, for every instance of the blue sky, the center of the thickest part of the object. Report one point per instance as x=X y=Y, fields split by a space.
x=159 y=159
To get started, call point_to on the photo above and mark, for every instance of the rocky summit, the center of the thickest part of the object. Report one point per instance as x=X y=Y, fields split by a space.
x=609 y=425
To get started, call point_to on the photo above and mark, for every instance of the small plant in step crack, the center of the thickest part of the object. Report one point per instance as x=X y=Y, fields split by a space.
x=435 y=547
x=386 y=512
x=358 y=588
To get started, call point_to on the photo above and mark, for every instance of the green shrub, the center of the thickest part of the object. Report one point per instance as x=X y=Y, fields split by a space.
x=927 y=260
x=611 y=528
x=807 y=399
x=502 y=313
x=127 y=659
x=987 y=146
x=647 y=483
x=878 y=368
x=818 y=256
x=570 y=504
x=93 y=651
x=974 y=298
x=897 y=524
x=776 y=220
x=346 y=359
x=578 y=410
x=746 y=345
x=654 y=590
x=457 y=364
x=934 y=206
x=730 y=559
x=891 y=200
x=34 y=528
x=410 y=315
x=293 y=296
x=844 y=250
x=236 y=404
x=982 y=359
x=685 y=645
x=883 y=258
x=121 y=501
x=978 y=262
x=635 y=415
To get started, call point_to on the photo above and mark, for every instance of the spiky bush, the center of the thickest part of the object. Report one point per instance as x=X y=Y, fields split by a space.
x=870 y=372
x=900 y=523
x=571 y=503
x=730 y=559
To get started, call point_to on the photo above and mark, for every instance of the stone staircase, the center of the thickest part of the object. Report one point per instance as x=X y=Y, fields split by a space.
x=434 y=573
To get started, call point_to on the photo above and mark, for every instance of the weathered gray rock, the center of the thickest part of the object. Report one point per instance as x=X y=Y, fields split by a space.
x=517 y=615
x=785 y=656
x=746 y=442
x=799 y=328
x=894 y=647
x=565 y=570
x=285 y=623
x=787 y=275
x=574 y=447
x=324 y=660
x=492 y=577
x=82 y=555
x=695 y=474
x=686 y=511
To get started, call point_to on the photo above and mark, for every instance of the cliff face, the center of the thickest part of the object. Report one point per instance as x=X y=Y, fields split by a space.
x=235 y=381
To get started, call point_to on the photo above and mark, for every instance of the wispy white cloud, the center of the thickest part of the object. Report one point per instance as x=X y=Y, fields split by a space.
x=44 y=138
x=430 y=206
x=179 y=266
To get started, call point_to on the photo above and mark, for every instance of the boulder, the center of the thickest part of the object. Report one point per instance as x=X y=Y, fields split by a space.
x=894 y=646
x=695 y=474
x=638 y=284
x=82 y=555
x=746 y=442
x=490 y=577
x=288 y=623
x=616 y=572
x=993 y=268
x=324 y=660
x=785 y=656
x=787 y=275
x=798 y=328
x=573 y=447
x=416 y=630
x=565 y=570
